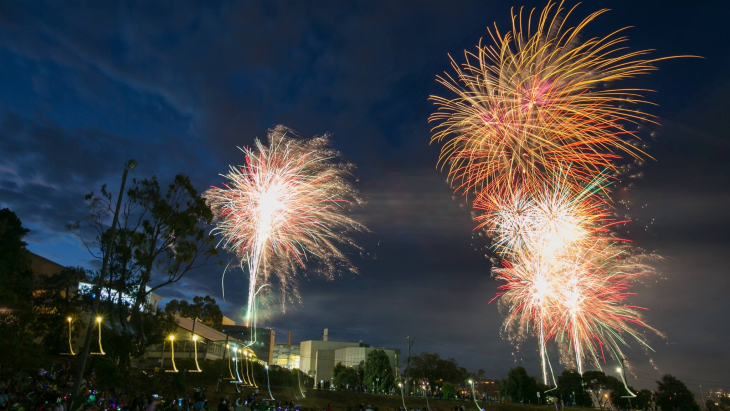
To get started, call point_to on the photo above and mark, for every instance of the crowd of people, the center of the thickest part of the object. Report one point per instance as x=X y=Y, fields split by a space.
x=44 y=390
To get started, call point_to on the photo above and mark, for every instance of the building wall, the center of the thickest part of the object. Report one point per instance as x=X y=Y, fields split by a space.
x=325 y=364
x=287 y=356
x=317 y=366
x=353 y=356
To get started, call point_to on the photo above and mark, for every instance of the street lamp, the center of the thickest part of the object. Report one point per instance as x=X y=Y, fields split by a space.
x=241 y=365
x=195 y=347
x=474 y=395
x=251 y=378
x=228 y=348
x=101 y=350
x=268 y=383
x=129 y=165
x=70 y=346
x=400 y=385
x=172 y=350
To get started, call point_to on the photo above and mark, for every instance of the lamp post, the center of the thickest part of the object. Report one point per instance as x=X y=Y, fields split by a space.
x=249 y=356
x=228 y=348
x=245 y=364
x=129 y=165
x=474 y=395
x=70 y=346
x=101 y=350
x=241 y=364
x=268 y=383
x=400 y=385
x=172 y=350
x=622 y=370
x=195 y=347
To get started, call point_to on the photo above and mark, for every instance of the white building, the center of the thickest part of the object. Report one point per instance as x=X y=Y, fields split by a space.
x=287 y=356
x=128 y=299
x=318 y=358
x=354 y=356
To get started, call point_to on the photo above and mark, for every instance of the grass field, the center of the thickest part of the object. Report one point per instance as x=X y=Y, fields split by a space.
x=344 y=401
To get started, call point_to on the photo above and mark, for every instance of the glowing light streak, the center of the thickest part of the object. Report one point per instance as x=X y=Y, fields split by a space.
x=195 y=347
x=70 y=346
x=172 y=352
x=101 y=349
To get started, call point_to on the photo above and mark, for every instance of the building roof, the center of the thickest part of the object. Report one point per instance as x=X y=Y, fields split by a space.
x=41 y=266
x=204 y=331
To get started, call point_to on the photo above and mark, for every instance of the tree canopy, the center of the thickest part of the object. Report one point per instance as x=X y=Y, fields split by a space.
x=204 y=309
x=17 y=344
x=15 y=275
x=160 y=237
x=519 y=387
x=432 y=368
x=572 y=390
x=378 y=371
x=673 y=395
x=346 y=376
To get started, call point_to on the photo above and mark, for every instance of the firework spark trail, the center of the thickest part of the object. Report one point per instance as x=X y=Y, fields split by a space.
x=287 y=205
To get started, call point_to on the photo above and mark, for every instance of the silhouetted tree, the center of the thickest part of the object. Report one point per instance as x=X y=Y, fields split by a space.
x=519 y=387
x=571 y=389
x=204 y=309
x=642 y=400
x=346 y=376
x=161 y=236
x=17 y=316
x=673 y=395
x=431 y=367
x=377 y=366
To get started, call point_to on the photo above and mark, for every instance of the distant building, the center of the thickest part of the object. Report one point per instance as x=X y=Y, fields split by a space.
x=286 y=355
x=318 y=358
x=43 y=267
x=262 y=344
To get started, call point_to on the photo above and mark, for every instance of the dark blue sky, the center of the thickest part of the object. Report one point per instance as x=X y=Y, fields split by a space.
x=179 y=85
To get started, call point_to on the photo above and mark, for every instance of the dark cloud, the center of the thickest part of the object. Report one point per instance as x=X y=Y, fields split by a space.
x=179 y=86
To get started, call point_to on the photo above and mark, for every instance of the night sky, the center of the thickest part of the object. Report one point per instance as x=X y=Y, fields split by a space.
x=178 y=86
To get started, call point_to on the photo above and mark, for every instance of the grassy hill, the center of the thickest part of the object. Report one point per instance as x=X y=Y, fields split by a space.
x=344 y=401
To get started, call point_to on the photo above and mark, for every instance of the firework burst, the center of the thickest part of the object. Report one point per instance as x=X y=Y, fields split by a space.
x=285 y=207
x=579 y=298
x=537 y=100
x=547 y=219
x=533 y=130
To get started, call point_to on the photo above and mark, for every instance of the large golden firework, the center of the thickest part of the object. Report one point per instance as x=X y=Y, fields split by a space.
x=537 y=99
